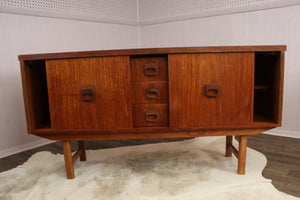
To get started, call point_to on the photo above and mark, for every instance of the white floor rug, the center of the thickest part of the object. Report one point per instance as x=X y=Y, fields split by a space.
x=192 y=170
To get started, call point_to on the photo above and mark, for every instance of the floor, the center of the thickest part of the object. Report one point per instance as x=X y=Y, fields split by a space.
x=283 y=166
x=283 y=156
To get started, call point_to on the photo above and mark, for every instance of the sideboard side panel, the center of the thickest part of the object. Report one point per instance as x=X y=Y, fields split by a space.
x=279 y=79
x=35 y=94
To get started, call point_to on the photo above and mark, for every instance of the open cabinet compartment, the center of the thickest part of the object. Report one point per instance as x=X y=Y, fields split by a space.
x=268 y=87
x=36 y=94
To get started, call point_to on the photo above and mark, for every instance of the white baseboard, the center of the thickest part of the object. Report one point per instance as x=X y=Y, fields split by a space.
x=284 y=133
x=24 y=147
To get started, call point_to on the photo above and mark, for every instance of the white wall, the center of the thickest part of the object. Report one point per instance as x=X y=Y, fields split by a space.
x=20 y=34
x=159 y=11
x=112 y=11
x=265 y=27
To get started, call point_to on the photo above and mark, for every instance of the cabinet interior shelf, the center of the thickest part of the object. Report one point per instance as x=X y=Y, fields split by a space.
x=261 y=87
x=259 y=119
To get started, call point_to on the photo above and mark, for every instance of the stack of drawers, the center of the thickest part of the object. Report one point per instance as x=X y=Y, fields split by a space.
x=149 y=91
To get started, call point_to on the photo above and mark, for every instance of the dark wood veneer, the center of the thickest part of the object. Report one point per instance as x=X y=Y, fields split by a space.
x=138 y=65
x=152 y=51
x=35 y=93
x=90 y=135
x=107 y=76
x=159 y=92
x=190 y=73
x=158 y=115
x=153 y=93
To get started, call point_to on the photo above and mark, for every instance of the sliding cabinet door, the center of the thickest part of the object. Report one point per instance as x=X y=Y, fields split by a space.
x=211 y=89
x=89 y=93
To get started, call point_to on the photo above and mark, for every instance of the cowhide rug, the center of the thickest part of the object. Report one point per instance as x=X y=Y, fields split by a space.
x=192 y=169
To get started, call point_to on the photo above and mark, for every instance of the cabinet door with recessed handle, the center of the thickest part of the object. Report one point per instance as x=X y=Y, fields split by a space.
x=211 y=89
x=89 y=93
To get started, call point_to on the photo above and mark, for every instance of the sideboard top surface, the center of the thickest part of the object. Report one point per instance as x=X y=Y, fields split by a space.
x=174 y=50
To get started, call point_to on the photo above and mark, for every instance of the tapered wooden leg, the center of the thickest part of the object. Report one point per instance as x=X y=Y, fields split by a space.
x=242 y=154
x=81 y=146
x=68 y=159
x=228 y=152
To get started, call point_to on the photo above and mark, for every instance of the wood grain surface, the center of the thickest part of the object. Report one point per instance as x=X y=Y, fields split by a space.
x=153 y=51
x=107 y=76
x=68 y=159
x=139 y=92
x=103 y=95
x=137 y=65
x=242 y=154
x=188 y=75
x=278 y=88
x=35 y=94
x=140 y=111
x=152 y=133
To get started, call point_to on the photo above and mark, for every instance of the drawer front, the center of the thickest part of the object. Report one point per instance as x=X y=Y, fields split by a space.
x=149 y=92
x=148 y=115
x=149 y=68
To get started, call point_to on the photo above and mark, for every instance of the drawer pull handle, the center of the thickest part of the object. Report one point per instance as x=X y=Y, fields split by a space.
x=152 y=92
x=150 y=69
x=87 y=94
x=211 y=90
x=152 y=115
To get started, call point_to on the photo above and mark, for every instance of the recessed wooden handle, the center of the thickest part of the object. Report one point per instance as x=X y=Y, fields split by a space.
x=87 y=94
x=150 y=69
x=211 y=90
x=152 y=115
x=152 y=92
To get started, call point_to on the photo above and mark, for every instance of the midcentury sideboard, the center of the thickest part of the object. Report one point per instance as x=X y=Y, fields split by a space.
x=153 y=93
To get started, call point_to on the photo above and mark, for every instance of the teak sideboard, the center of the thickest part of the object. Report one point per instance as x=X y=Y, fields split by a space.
x=154 y=93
